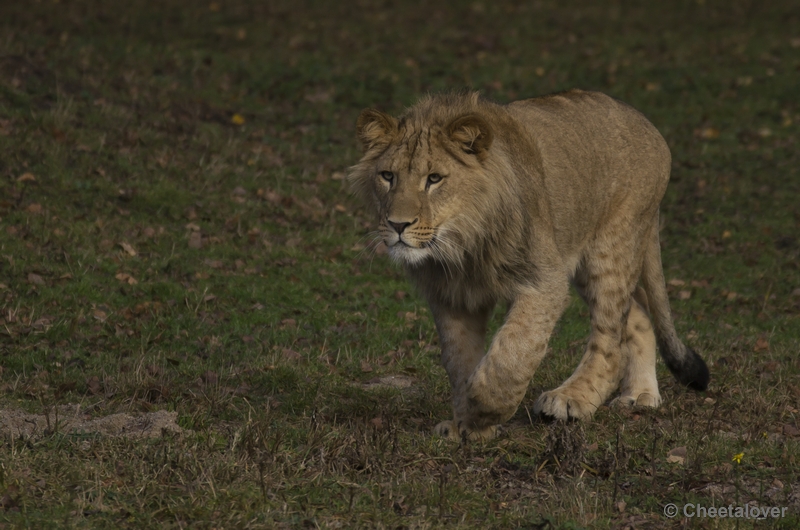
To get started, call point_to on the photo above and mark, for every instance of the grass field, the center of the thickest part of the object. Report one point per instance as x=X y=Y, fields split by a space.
x=193 y=334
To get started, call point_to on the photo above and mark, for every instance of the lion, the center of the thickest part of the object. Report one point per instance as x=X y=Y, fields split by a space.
x=483 y=203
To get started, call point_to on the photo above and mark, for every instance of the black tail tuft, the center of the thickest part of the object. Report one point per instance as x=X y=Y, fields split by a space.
x=694 y=373
x=691 y=370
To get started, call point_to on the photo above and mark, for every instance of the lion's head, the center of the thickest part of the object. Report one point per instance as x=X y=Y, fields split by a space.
x=429 y=177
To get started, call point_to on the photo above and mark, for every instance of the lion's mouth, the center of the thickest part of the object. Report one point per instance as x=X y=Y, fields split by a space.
x=419 y=245
x=402 y=243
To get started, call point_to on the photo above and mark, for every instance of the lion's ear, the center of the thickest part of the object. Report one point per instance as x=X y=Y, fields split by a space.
x=472 y=133
x=374 y=127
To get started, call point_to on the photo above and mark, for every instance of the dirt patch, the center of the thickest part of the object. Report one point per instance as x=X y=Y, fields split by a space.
x=71 y=419
x=389 y=381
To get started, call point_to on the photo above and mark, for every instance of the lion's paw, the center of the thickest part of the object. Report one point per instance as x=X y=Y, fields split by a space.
x=645 y=399
x=449 y=430
x=559 y=404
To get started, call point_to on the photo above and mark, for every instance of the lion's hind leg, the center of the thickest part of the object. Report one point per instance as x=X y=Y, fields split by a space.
x=606 y=279
x=639 y=386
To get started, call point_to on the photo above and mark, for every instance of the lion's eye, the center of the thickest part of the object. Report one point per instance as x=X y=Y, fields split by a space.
x=388 y=176
x=434 y=178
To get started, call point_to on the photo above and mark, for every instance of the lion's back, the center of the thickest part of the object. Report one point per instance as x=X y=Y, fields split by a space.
x=598 y=156
x=591 y=123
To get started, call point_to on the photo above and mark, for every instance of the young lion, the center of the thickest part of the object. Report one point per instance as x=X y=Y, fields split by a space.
x=485 y=203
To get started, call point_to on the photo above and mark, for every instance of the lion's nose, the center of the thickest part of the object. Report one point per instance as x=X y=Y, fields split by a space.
x=399 y=227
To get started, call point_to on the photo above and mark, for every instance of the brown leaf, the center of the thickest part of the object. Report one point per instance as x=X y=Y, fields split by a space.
x=9 y=499
x=677 y=455
x=684 y=295
x=319 y=96
x=408 y=316
x=770 y=366
x=35 y=208
x=127 y=278
x=366 y=367
x=291 y=355
x=94 y=385
x=707 y=133
x=128 y=248
x=209 y=377
x=215 y=263
x=195 y=240
x=675 y=282
x=761 y=344
x=26 y=177
x=377 y=422
x=790 y=430
x=35 y=279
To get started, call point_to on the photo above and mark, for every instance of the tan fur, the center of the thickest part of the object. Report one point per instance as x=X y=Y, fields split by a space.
x=484 y=204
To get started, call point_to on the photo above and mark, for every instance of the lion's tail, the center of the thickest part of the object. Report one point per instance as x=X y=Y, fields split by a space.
x=684 y=363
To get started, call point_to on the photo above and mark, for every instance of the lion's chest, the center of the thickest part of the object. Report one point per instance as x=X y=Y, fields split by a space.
x=474 y=284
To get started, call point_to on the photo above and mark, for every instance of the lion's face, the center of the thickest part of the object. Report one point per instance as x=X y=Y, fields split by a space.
x=424 y=181
x=418 y=198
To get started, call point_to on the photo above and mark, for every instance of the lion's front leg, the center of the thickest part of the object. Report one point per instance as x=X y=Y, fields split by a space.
x=496 y=386
x=461 y=335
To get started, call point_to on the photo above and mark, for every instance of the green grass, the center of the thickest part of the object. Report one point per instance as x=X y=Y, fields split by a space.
x=255 y=313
